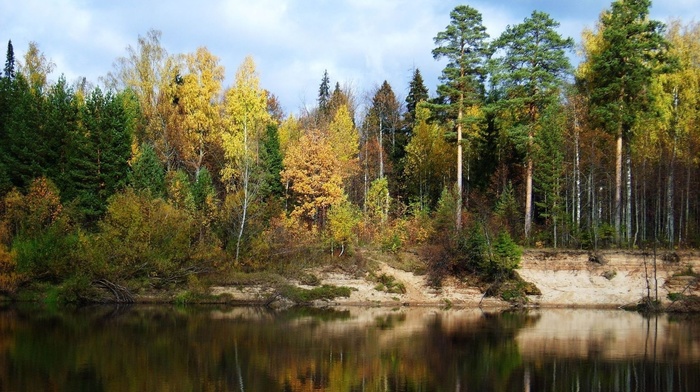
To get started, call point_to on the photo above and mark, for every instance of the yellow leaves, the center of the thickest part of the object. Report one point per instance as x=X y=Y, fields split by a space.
x=289 y=132
x=344 y=140
x=313 y=177
x=31 y=213
x=246 y=119
x=199 y=97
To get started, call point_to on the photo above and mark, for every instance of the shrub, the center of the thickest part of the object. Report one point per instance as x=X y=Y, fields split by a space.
x=299 y=295
x=389 y=284
x=506 y=255
x=145 y=238
x=47 y=255
x=9 y=277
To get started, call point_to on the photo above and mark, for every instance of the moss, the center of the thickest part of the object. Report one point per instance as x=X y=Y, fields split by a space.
x=675 y=296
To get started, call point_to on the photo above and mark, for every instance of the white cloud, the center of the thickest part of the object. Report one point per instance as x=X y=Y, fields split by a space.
x=359 y=42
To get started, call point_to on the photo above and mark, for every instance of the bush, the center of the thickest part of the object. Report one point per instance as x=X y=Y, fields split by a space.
x=147 y=239
x=48 y=255
x=389 y=284
x=506 y=255
x=328 y=292
x=9 y=278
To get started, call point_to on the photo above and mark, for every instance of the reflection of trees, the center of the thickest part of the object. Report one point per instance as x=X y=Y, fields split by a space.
x=482 y=353
x=296 y=350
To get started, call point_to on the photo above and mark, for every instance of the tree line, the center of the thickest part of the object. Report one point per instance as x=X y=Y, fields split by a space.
x=163 y=172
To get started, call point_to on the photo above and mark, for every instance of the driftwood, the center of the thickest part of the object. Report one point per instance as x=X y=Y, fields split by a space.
x=121 y=294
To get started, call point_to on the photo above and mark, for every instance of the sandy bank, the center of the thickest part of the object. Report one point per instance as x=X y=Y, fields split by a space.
x=565 y=278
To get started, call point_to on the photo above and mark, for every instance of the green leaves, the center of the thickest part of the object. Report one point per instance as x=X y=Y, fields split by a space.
x=630 y=53
x=463 y=43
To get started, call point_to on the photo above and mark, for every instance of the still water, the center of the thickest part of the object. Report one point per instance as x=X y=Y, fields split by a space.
x=348 y=349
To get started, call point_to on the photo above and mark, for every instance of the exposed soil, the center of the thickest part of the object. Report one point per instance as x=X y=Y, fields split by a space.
x=565 y=279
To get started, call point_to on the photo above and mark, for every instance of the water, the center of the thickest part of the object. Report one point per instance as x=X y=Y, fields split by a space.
x=353 y=349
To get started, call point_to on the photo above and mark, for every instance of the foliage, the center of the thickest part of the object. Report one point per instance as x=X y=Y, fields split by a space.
x=343 y=139
x=145 y=238
x=29 y=215
x=10 y=279
x=428 y=159
x=147 y=173
x=378 y=201
x=505 y=257
x=389 y=284
x=325 y=292
x=343 y=219
x=48 y=255
x=313 y=177
x=417 y=93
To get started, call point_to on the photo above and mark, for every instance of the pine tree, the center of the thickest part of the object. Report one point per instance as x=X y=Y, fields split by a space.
x=463 y=44
x=631 y=52
x=530 y=74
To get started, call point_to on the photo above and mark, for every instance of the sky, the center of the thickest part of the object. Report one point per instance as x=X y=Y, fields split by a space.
x=360 y=43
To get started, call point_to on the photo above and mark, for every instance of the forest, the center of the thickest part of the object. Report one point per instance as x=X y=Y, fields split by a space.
x=158 y=175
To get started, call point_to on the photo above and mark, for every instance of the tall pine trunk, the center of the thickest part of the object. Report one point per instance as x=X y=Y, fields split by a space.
x=458 y=220
x=618 y=187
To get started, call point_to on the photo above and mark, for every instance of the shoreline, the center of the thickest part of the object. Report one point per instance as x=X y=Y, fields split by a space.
x=610 y=279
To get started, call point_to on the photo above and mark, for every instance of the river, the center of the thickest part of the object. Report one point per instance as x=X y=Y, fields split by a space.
x=163 y=348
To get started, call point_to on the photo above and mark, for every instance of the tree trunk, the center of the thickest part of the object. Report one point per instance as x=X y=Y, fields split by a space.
x=381 y=149
x=577 y=179
x=628 y=198
x=458 y=220
x=618 y=187
x=246 y=178
x=528 y=195
x=670 y=236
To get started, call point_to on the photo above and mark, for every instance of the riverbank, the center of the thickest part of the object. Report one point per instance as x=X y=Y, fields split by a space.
x=605 y=279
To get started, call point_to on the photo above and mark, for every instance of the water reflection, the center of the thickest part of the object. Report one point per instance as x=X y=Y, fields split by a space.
x=353 y=349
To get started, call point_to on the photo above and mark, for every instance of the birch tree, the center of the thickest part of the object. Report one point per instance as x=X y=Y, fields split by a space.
x=246 y=121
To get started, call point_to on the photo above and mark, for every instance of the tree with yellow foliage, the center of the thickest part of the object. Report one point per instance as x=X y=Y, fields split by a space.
x=344 y=140
x=246 y=120
x=313 y=178
x=198 y=96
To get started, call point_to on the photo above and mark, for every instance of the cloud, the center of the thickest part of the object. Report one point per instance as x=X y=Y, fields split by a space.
x=360 y=42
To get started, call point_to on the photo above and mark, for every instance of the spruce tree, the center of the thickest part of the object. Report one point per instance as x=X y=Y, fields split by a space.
x=324 y=93
x=272 y=156
x=417 y=92
x=147 y=172
x=10 y=61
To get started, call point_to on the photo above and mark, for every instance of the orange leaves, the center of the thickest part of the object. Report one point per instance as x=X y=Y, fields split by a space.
x=29 y=214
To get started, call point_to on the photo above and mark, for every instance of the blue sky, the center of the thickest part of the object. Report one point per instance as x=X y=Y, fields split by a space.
x=360 y=42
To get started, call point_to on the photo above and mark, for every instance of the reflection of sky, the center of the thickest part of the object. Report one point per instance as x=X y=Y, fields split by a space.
x=360 y=42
